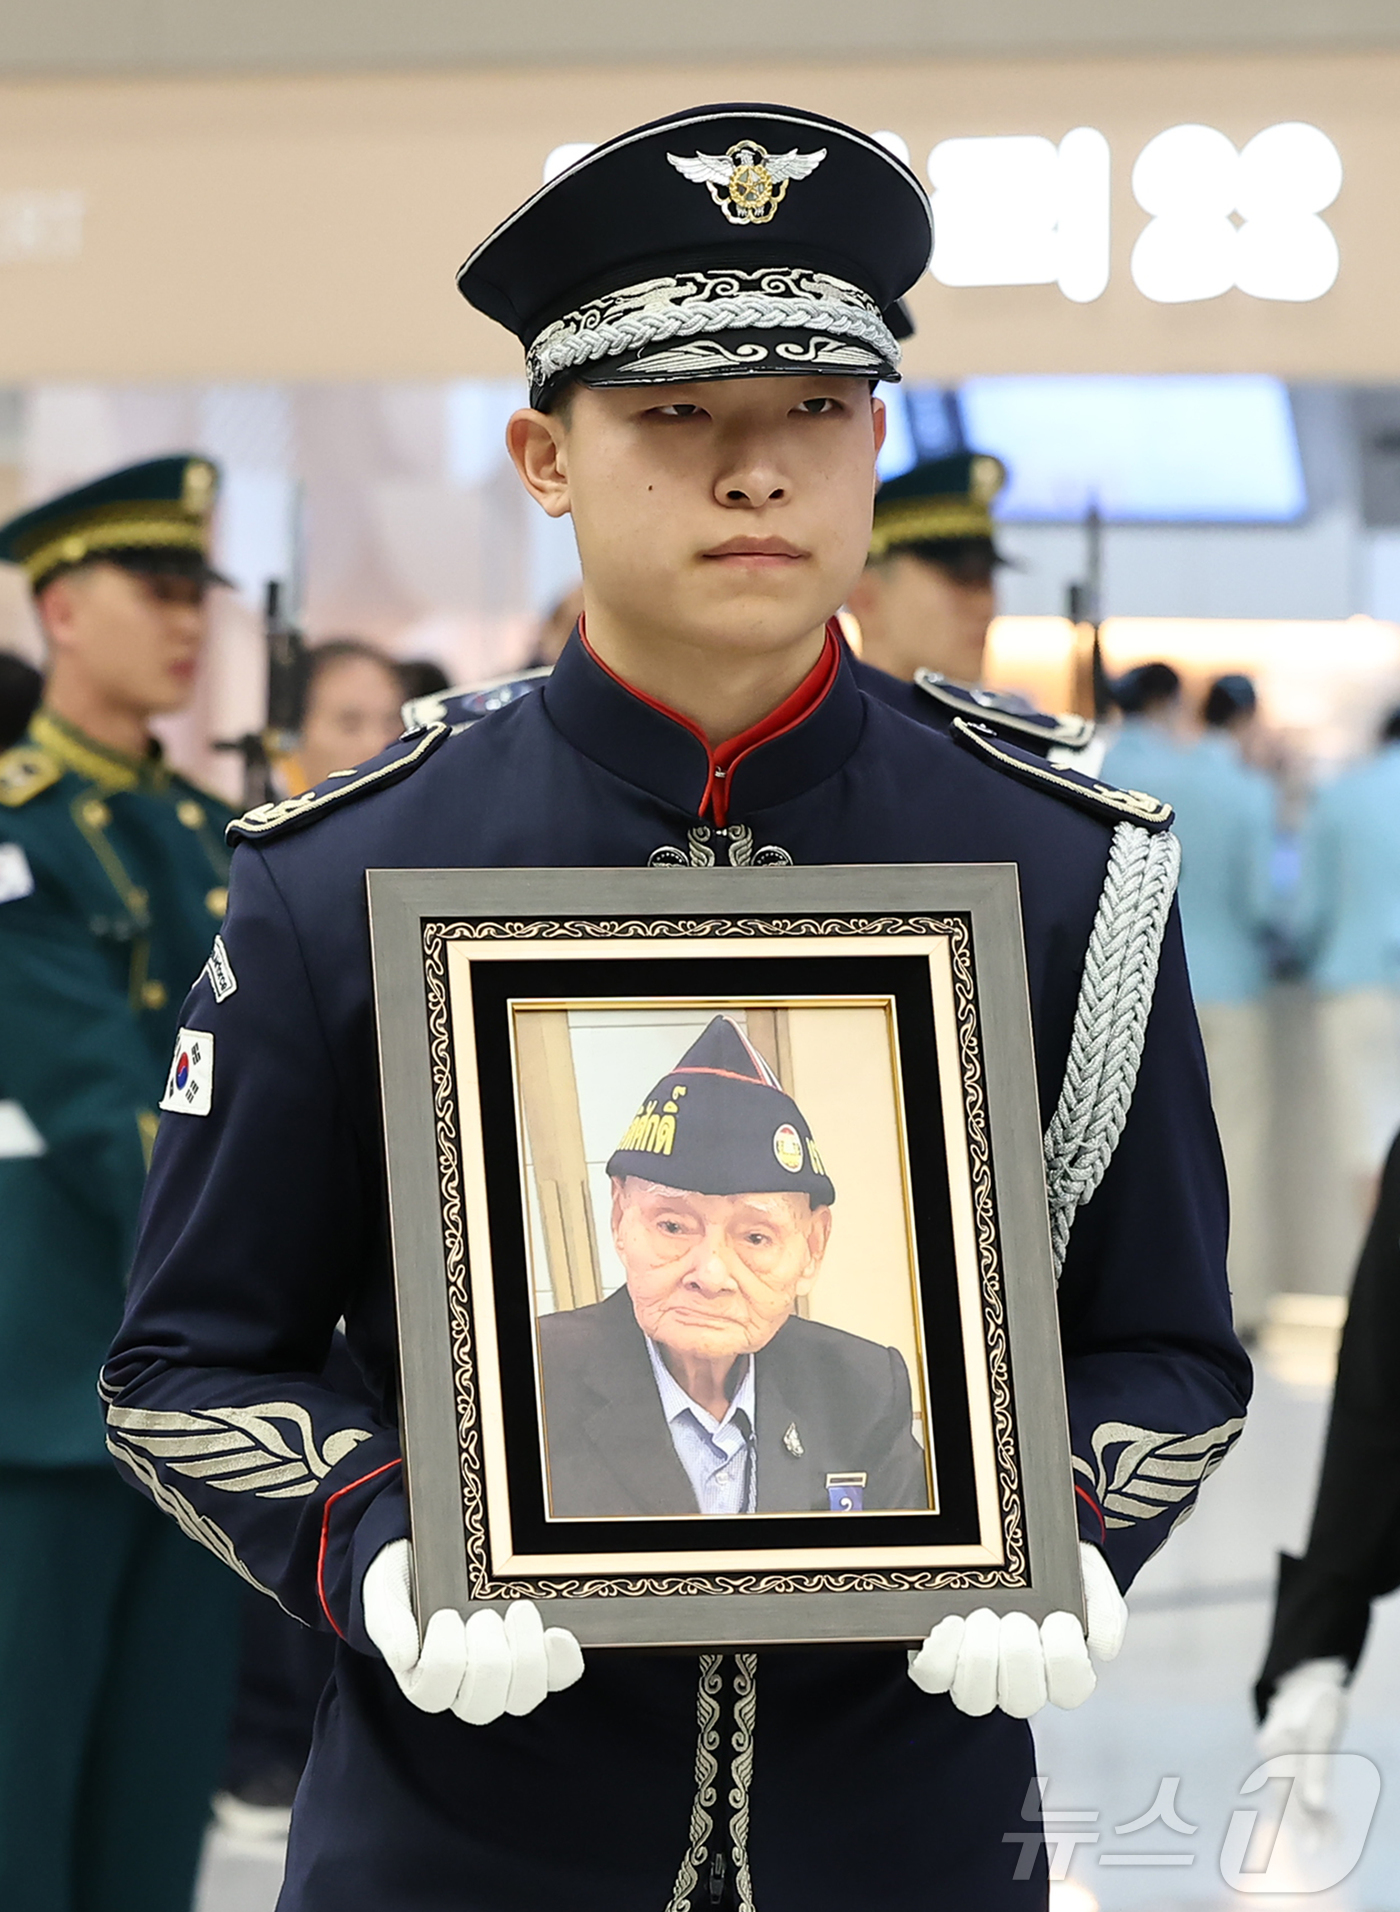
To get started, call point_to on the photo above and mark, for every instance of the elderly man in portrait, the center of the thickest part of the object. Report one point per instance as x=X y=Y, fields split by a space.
x=698 y=1388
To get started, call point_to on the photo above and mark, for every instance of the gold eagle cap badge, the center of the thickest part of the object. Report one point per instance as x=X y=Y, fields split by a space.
x=748 y=183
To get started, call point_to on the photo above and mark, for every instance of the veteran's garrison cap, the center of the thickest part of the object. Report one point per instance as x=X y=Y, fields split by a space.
x=942 y=501
x=721 y=1124
x=722 y=242
x=151 y=516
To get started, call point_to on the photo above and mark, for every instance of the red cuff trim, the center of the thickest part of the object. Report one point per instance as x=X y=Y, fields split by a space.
x=325 y=1536
x=1089 y=1502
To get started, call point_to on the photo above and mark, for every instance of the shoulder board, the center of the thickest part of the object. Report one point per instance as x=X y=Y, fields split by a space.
x=468 y=703
x=342 y=787
x=1006 y=713
x=1086 y=793
x=24 y=772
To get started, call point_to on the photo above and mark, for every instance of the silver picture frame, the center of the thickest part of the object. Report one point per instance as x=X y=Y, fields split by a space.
x=452 y=951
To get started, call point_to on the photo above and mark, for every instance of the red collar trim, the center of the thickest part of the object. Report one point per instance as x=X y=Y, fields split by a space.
x=724 y=761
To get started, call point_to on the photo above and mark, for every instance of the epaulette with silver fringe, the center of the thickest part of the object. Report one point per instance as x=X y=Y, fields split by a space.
x=1102 y=800
x=341 y=787
x=1063 y=732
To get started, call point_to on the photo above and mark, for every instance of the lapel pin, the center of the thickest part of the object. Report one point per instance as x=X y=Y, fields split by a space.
x=792 y=1440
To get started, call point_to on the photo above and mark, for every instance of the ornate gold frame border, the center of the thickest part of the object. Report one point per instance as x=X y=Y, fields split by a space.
x=436 y=936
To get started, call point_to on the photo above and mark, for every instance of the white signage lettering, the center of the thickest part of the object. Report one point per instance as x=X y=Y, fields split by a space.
x=1194 y=183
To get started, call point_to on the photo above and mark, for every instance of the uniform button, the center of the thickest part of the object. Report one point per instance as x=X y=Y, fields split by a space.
x=216 y=902
x=190 y=813
x=96 y=813
x=153 y=994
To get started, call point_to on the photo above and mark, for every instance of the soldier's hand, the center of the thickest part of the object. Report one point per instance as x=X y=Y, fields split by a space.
x=1006 y=1660
x=477 y=1668
x=1306 y=1715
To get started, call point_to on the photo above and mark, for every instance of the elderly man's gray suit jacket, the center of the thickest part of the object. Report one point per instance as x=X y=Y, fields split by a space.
x=826 y=1402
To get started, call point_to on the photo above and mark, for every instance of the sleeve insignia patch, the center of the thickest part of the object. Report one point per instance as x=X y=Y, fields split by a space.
x=269 y=1450
x=1086 y=793
x=219 y=970
x=189 y=1088
x=1139 y=1474
x=279 y=819
x=1065 y=732
x=24 y=772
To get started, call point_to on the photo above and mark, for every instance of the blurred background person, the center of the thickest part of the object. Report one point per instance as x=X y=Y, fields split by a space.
x=421 y=677
x=117 y=1632
x=928 y=593
x=1348 y=929
x=1225 y=820
x=21 y=687
x=1148 y=747
x=352 y=698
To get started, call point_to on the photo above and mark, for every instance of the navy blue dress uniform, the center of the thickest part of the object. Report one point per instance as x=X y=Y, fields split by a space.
x=829 y=1408
x=654 y=1782
x=113 y=1658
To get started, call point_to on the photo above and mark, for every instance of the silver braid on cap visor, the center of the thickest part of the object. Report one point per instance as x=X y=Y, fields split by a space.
x=695 y=303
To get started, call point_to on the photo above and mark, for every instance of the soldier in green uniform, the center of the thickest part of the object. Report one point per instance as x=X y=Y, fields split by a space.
x=928 y=592
x=116 y=1632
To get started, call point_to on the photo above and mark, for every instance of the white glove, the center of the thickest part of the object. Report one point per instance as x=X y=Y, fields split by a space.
x=480 y=1667
x=1306 y=1715
x=1006 y=1660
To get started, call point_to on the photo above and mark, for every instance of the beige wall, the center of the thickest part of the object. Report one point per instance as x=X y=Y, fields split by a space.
x=310 y=228
x=843 y=1082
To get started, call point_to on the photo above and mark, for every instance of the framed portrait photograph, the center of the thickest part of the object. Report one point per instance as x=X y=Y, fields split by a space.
x=722 y=1262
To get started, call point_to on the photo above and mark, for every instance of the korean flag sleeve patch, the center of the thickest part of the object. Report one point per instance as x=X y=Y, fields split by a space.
x=189 y=1088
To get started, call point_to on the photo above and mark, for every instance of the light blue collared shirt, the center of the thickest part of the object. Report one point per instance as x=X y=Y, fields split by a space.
x=1224 y=819
x=1348 y=906
x=719 y=1462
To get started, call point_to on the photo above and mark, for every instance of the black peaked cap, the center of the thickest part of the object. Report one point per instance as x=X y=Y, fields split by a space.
x=719 y=1124
x=156 y=513
x=714 y=191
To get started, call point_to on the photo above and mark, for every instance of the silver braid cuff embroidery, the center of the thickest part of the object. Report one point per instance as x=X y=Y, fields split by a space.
x=699 y=303
x=1110 y=1022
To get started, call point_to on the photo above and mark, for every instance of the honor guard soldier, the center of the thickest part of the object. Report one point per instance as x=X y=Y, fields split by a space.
x=927 y=597
x=115 y=1635
x=702 y=306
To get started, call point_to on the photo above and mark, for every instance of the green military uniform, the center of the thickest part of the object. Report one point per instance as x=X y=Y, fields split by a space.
x=116 y=1632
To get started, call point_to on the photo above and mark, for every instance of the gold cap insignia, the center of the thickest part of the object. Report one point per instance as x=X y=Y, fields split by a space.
x=197 y=492
x=988 y=477
x=748 y=183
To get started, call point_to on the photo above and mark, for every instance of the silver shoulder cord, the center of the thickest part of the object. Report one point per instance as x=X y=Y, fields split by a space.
x=1110 y=1021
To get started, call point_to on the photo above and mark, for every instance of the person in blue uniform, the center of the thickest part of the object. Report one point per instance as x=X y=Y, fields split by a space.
x=1345 y=914
x=701 y=302
x=697 y=1387
x=1225 y=819
x=116 y=1633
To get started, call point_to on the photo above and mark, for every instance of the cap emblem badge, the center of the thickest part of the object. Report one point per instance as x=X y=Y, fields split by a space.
x=787 y=1146
x=197 y=492
x=748 y=183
